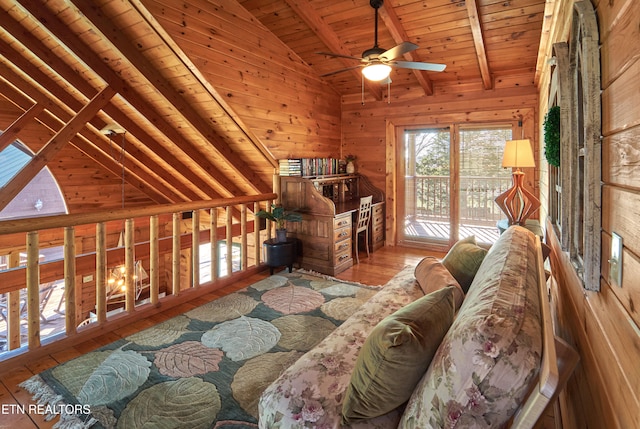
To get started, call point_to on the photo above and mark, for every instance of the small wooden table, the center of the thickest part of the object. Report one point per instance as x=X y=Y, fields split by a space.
x=532 y=225
x=279 y=253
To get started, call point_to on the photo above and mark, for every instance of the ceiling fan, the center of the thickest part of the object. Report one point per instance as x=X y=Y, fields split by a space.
x=377 y=62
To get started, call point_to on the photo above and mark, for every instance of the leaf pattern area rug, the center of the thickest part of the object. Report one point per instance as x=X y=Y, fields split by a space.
x=205 y=368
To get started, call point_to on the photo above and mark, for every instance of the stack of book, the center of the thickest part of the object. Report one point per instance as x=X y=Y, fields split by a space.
x=290 y=167
x=309 y=167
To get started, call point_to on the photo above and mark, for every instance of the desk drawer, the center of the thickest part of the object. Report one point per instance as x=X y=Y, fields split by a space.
x=342 y=256
x=342 y=246
x=341 y=234
x=342 y=222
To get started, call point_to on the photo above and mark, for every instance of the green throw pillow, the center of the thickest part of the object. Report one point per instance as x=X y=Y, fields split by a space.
x=463 y=261
x=396 y=355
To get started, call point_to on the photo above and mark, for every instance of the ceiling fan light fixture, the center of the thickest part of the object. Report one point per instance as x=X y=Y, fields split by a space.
x=376 y=72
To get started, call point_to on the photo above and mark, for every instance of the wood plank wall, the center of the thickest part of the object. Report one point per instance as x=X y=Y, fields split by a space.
x=370 y=131
x=291 y=110
x=603 y=325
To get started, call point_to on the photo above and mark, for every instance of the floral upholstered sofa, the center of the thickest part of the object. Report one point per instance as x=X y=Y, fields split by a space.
x=398 y=364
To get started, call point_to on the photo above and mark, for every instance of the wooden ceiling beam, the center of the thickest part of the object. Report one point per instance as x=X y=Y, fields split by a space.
x=55 y=117
x=182 y=106
x=86 y=55
x=156 y=188
x=140 y=162
x=53 y=146
x=478 y=41
x=394 y=26
x=324 y=32
x=13 y=130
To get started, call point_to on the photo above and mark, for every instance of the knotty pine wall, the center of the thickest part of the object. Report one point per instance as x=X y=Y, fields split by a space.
x=372 y=131
x=293 y=112
x=603 y=393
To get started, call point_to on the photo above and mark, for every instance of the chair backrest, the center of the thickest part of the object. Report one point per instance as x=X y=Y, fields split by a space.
x=364 y=213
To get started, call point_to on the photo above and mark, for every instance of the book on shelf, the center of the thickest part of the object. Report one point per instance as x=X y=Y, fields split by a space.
x=309 y=167
x=290 y=167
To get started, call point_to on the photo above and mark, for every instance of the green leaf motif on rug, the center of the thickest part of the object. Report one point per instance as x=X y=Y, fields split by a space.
x=300 y=332
x=333 y=288
x=258 y=373
x=187 y=359
x=187 y=402
x=242 y=338
x=99 y=378
x=341 y=308
x=225 y=308
x=270 y=283
x=164 y=333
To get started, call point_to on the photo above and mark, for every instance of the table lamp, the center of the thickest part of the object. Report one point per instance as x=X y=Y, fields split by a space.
x=517 y=202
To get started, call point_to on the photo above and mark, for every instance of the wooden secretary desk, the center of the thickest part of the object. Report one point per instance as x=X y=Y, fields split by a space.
x=328 y=205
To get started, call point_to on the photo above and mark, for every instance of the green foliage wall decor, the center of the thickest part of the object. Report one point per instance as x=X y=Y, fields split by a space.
x=552 y=136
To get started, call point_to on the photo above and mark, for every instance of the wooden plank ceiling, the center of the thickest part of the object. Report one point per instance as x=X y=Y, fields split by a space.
x=71 y=70
x=478 y=40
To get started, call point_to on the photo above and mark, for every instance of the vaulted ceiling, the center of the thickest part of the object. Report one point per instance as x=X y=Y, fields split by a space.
x=197 y=99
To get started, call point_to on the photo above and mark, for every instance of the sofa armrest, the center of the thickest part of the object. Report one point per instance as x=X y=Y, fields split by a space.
x=559 y=359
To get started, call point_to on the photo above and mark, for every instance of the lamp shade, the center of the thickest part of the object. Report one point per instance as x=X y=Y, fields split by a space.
x=376 y=72
x=518 y=153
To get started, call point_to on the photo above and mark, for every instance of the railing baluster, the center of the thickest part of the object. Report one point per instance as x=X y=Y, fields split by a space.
x=229 y=240
x=129 y=262
x=101 y=274
x=70 y=280
x=14 y=308
x=33 y=289
x=154 y=260
x=243 y=237
x=213 y=234
x=195 y=248
x=256 y=233
x=175 y=255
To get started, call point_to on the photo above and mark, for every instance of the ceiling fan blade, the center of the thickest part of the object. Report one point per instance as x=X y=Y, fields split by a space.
x=339 y=71
x=331 y=54
x=418 y=66
x=398 y=51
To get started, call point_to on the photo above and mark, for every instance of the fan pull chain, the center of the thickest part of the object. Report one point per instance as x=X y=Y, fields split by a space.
x=388 y=91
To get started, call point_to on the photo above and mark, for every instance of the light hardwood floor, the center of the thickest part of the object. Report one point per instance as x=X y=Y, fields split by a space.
x=379 y=268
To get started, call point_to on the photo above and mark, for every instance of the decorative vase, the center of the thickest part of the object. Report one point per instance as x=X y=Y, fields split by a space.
x=281 y=235
x=351 y=168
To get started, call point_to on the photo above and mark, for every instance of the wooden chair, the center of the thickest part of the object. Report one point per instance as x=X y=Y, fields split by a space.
x=364 y=216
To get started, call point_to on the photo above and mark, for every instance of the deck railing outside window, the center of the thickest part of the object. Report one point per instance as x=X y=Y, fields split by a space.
x=477 y=195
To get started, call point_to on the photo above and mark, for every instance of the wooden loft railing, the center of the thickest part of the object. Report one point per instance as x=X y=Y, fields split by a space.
x=20 y=286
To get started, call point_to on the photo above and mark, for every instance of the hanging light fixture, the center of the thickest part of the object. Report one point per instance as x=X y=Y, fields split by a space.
x=376 y=71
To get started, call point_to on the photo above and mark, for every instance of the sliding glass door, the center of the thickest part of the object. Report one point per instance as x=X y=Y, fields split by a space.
x=481 y=179
x=426 y=170
x=448 y=180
